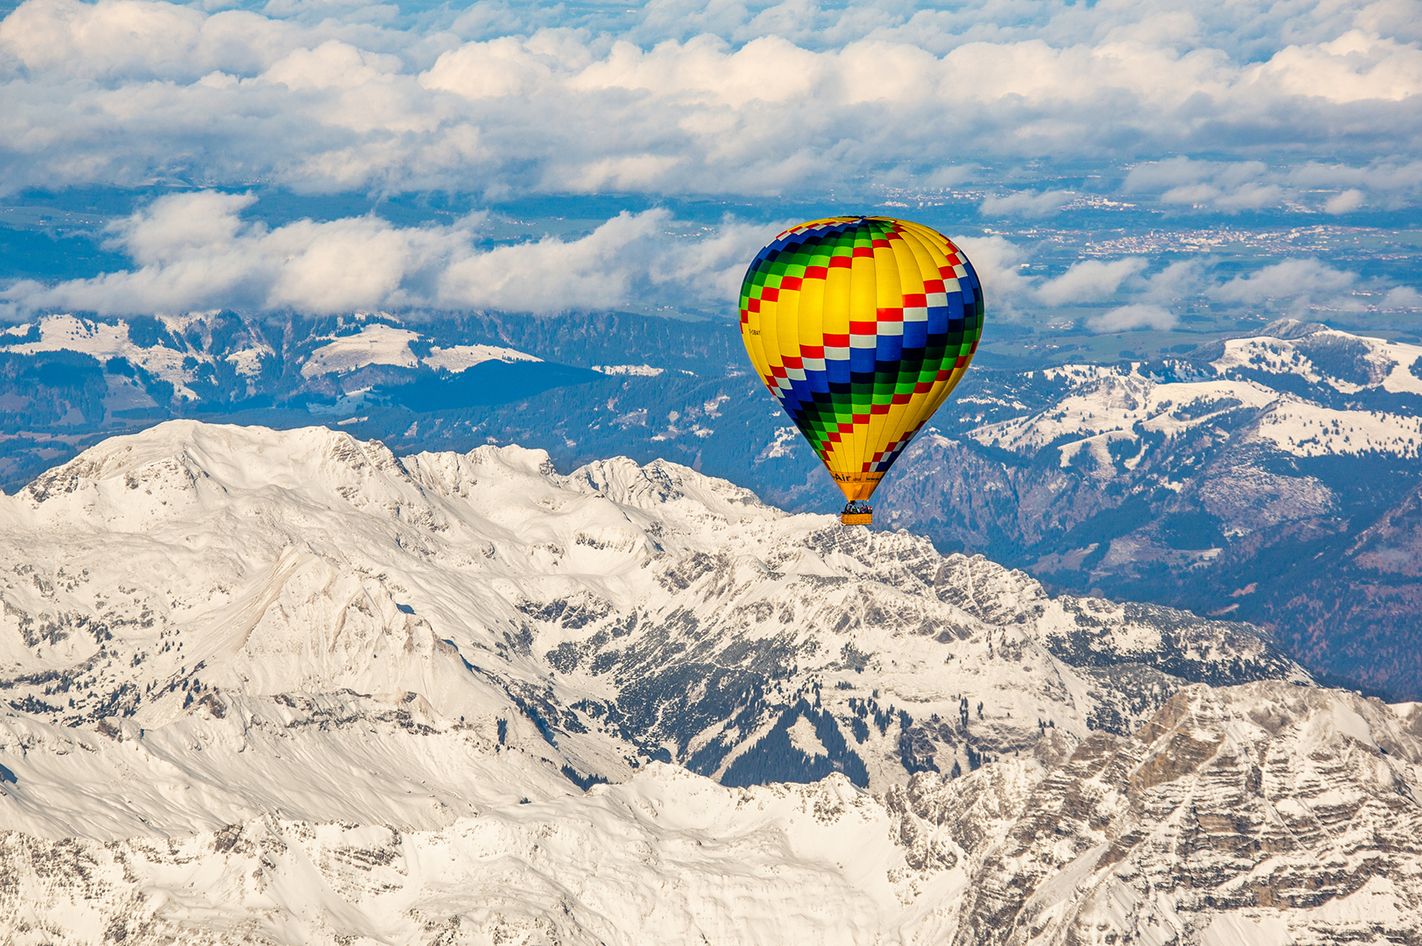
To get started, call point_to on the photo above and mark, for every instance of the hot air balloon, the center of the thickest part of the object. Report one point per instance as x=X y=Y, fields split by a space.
x=860 y=327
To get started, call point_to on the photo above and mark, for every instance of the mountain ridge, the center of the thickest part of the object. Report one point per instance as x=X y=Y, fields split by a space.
x=623 y=611
x=1271 y=477
x=284 y=686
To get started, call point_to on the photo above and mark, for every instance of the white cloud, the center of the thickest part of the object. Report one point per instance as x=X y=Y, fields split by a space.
x=1089 y=280
x=1228 y=186
x=1025 y=203
x=1345 y=202
x=198 y=252
x=194 y=251
x=998 y=263
x=1352 y=68
x=1195 y=194
x=331 y=65
x=1133 y=316
x=1245 y=185
x=1158 y=175
x=701 y=97
x=678 y=97
x=1290 y=278
x=1250 y=197
x=172 y=227
x=595 y=272
x=137 y=40
x=1294 y=281
x=1402 y=297
x=1179 y=280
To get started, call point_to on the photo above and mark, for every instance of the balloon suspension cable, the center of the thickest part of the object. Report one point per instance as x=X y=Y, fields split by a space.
x=857 y=513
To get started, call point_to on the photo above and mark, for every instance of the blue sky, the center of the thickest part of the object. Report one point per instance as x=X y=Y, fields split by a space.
x=1022 y=110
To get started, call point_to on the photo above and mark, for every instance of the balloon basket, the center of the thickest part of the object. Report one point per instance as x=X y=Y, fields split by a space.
x=857 y=518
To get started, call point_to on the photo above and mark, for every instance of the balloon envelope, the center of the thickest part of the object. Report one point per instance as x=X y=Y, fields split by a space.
x=860 y=327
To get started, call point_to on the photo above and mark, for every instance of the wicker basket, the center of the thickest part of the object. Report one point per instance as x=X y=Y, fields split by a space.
x=857 y=518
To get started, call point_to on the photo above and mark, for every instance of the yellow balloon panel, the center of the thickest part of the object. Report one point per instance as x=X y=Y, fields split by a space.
x=860 y=327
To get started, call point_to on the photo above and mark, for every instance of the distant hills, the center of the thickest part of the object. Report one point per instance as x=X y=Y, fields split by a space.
x=1273 y=478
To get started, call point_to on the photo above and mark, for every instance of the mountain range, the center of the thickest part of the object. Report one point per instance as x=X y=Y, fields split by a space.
x=285 y=686
x=1271 y=477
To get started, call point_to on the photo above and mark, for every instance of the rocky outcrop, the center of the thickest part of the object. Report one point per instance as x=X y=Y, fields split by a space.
x=1284 y=814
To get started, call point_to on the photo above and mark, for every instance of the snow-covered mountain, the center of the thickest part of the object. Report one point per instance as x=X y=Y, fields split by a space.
x=287 y=687
x=617 y=614
x=1272 y=478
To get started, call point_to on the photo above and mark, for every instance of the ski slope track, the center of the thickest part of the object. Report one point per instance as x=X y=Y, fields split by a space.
x=285 y=687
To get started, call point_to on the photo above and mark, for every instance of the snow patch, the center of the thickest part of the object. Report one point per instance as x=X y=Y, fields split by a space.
x=375 y=344
x=803 y=737
x=1308 y=430
x=787 y=439
x=459 y=358
x=638 y=371
x=1233 y=929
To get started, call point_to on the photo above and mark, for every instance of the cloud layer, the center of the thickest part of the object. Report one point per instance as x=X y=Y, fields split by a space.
x=195 y=252
x=681 y=97
x=198 y=252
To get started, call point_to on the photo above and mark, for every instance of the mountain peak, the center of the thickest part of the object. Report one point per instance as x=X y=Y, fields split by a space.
x=309 y=664
x=177 y=453
x=1292 y=328
x=623 y=612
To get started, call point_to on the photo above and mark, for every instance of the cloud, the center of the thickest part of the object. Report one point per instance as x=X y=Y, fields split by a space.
x=135 y=41
x=1352 y=68
x=1294 y=282
x=1402 y=297
x=1133 y=316
x=684 y=96
x=1250 y=197
x=1179 y=280
x=1025 y=203
x=195 y=252
x=1089 y=280
x=1293 y=285
x=500 y=100
x=203 y=250
x=1386 y=175
x=1345 y=202
x=1149 y=297
x=1231 y=186
x=998 y=263
x=1161 y=175
x=1228 y=186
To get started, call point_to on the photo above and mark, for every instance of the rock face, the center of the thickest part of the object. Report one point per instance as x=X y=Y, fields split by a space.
x=1260 y=814
x=287 y=687
x=1263 y=813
